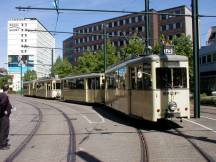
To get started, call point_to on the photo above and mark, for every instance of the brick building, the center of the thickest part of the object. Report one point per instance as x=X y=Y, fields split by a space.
x=90 y=37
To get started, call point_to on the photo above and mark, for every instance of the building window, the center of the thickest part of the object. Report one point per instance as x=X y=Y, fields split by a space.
x=203 y=59
x=115 y=23
x=133 y=20
x=127 y=21
x=178 y=25
x=121 y=22
x=139 y=18
x=214 y=57
x=136 y=19
x=163 y=17
x=110 y=25
x=163 y=28
x=209 y=58
x=170 y=26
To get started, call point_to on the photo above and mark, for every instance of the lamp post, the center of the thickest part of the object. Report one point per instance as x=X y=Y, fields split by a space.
x=105 y=46
x=20 y=63
x=195 y=17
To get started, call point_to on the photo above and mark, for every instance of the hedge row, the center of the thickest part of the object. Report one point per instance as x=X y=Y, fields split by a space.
x=208 y=101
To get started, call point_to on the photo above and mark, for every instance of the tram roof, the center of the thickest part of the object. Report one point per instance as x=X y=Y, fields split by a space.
x=47 y=79
x=147 y=59
x=84 y=76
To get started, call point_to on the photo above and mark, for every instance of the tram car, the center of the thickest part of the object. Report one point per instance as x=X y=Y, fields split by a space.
x=151 y=87
x=29 y=88
x=44 y=88
x=88 y=88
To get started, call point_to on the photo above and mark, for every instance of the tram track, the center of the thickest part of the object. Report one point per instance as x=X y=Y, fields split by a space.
x=144 y=147
x=71 y=156
x=197 y=148
x=21 y=146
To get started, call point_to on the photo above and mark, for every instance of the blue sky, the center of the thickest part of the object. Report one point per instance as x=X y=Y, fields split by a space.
x=69 y=20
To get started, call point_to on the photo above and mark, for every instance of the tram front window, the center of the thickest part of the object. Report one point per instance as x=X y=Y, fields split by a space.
x=171 y=78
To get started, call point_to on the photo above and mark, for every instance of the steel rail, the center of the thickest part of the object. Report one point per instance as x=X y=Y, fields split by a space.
x=71 y=156
x=144 y=147
x=20 y=147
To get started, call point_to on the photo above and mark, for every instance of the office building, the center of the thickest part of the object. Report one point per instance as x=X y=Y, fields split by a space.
x=208 y=63
x=23 y=49
x=119 y=29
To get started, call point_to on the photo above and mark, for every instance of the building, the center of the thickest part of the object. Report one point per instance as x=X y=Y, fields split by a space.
x=119 y=29
x=23 y=49
x=208 y=63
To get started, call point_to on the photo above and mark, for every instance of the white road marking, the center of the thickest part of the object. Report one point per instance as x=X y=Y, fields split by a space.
x=208 y=117
x=203 y=126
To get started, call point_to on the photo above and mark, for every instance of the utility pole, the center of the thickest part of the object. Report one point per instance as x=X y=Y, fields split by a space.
x=147 y=26
x=195 y=19
x=52 y=62
x=21 y=79
x=105 y=46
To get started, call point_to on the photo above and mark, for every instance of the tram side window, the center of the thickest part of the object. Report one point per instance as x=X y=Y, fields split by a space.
x=72 y=84
x=80 y=84
x=48 y=87
x=111 y=82
x=93 y=83
x=144 y=81
x=122 y=72
x=147 y=76
x=65 y=83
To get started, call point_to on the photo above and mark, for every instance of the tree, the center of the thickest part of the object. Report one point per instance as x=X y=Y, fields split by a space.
x=94 y=61
x=87 y=63
x=184 y=46
x=30 y=75
x=135 y=47
x=62 y=68
x=4 y=80
x=156 y=49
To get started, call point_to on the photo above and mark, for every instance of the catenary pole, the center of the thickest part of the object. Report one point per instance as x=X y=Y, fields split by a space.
x=147 y=27
x=105 y=46
x=195 y=17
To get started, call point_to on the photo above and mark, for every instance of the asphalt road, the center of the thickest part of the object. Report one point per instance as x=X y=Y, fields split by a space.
x=74 y=132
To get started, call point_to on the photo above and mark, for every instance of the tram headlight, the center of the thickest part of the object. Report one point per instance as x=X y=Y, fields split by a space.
x=172 y=106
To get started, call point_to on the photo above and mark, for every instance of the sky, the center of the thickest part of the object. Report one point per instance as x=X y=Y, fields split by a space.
x=68 y=20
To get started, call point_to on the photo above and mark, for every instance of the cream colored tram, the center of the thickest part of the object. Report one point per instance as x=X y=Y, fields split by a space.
x=48 y=88
x=87 y=88
x=150 y=87
x=29 y=88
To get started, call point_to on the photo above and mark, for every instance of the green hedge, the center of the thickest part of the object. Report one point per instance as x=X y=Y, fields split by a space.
x=209 y=100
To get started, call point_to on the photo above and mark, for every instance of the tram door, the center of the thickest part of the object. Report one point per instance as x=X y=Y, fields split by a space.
x=141 y=94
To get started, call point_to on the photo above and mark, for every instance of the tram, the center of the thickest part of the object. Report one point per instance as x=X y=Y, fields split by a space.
x=45 y=88
x=151 y=87
x=29 y=88
x=87 y=88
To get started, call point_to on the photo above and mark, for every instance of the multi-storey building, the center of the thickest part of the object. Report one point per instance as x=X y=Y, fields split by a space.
x=208 y=63
x=119 y=29
x=23 y=51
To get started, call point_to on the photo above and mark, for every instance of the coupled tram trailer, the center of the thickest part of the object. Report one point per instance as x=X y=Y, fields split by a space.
x=44 y=88
x=88 y=88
